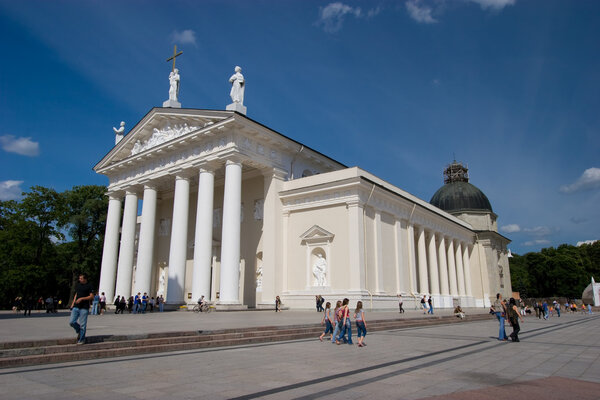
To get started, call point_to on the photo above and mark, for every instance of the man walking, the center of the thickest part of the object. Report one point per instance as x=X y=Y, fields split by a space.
x=80 y=307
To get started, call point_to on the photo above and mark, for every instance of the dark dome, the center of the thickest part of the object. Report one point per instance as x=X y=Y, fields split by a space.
x=460 y=196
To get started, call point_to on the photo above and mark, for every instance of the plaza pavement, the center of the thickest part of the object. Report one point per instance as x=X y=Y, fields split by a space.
x=558 y=358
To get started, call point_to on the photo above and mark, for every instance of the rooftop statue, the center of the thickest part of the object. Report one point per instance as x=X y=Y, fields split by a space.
x=237 y=86
x=174 y=84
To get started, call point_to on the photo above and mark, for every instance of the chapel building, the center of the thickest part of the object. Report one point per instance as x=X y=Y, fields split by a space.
x=239 y=213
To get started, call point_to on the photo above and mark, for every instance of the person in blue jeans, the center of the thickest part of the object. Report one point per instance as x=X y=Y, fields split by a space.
x=430 y=304
x=336 y=321
x=346 y=325
x=95 y=304
x=80 y=307
x=500 y=310
x=361 y=324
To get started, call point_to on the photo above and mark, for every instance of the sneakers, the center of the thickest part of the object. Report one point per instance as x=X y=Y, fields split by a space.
x=81 y=342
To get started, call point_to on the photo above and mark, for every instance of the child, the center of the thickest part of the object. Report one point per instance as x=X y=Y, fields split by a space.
x=327 y=321
x=361 y=324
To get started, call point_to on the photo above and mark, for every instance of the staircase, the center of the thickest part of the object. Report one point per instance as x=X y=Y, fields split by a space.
x=26 y=353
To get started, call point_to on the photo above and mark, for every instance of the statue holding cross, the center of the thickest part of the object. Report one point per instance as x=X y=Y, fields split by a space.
x=173 y=82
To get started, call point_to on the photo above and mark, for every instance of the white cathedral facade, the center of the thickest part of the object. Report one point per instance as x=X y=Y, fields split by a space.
x=239 y=213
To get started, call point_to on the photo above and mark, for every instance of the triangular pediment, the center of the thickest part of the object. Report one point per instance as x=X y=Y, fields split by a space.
x=160 y=126
x=317 y=234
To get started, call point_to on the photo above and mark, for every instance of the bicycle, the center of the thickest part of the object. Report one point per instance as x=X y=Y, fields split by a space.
x=205 y=308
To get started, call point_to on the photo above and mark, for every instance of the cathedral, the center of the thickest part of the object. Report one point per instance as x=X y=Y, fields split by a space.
x=239 y=213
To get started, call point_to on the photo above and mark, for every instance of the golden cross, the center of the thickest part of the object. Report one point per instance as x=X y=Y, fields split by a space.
x=175 y=54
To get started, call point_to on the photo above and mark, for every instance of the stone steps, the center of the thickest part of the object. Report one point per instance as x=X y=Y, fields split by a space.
x=14 y=354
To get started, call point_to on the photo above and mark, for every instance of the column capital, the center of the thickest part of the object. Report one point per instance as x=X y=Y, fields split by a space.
x=233 y=160
x=131 y=191
x=182 y=177
x=208 y=167
x=115 y=195
x=274 y=172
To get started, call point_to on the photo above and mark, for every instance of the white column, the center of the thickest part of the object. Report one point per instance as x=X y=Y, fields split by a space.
x=203 y=237
x=378 y=246
x=108 y=269
x=272 y=237
x=230 y=238
x=178 y=248
x=467 y=265
x=433 y=265
x=444 y=286
x=399 y=255
x=126 y=251
x=356 y=235
x=460 y=271
x=143 y=274
x=423 y=280
x=452 y=268
x=412 y=267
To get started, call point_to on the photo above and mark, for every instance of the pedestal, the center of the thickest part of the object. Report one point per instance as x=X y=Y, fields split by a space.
x=172 y=104
x=236 y=107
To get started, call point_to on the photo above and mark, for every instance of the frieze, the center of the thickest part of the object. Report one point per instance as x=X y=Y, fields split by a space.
x=160 y=136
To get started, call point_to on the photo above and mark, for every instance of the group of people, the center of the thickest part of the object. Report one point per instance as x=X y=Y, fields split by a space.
x=139 y=304
x=507 y=311
x=338 y=323
x=26 y=304
x=427 y=305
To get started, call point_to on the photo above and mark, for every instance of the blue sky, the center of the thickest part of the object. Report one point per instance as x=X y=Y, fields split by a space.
x=399 y=88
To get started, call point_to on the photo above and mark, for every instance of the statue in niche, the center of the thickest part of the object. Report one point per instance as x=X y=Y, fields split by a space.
x=174 y=85
x=259 y=276
x=161 y=282
x=319 y=270
x=237 y=86
x=259 y=209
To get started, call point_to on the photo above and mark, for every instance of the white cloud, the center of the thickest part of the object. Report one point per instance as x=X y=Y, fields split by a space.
x=187 y=36
x=494 y=4
x=10 y=190
x=536 y=242
x=331 y=17
x=588 y=181
x=586 y=242
x=420 y=13
x=511 y=228
x=22 y=146
x=540 y=231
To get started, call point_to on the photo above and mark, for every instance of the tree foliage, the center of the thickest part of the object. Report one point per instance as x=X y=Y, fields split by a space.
x=564 y=271
x=47 y=238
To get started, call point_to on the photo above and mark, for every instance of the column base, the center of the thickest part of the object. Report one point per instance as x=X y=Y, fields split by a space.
x=232 y=307
x=175 y=307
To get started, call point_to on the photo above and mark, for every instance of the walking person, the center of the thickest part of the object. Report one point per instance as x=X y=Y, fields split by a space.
x=95 y=304
x=336 y=321
x=117 y=304
x=545 y=309
x=500 y=311
x=80 y=307
x=424 y=304
x=277 y=304
x=346 y=325
x=513 y=318
x=400 y=303
x=430 y=304
x=361 y=324
x=327 y=321
x=102 y=303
